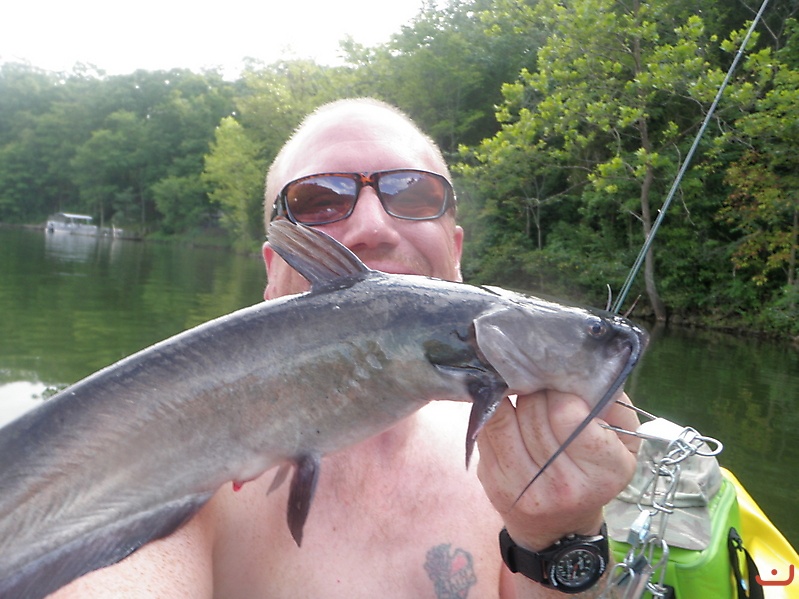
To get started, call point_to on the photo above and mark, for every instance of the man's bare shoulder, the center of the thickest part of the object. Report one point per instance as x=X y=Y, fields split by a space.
x=178 y=566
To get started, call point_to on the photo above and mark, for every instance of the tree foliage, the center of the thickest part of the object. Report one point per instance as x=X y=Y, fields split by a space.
x=565 y=123
x=79 y=143
x=762 y=207
x=607 y=116
x=235 y=176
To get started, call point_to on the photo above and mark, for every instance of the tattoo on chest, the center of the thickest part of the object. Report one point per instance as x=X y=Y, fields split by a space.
x=451 y=571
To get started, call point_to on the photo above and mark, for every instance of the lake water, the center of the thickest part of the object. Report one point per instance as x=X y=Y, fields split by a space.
x=70 y=305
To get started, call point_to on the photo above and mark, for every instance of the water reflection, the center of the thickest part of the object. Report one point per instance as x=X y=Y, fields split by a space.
x=19 y=397
x=72 y=305
x=66 y=247
x=740 y=390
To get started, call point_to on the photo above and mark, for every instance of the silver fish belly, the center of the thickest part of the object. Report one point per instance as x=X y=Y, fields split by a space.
x=130 y=453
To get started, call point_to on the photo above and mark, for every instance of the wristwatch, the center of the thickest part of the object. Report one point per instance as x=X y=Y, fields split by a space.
x=571 y=565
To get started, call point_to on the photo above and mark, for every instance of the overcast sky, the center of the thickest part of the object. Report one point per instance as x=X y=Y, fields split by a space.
x=121 y=37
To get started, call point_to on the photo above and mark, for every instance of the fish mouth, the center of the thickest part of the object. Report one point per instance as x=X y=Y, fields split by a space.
x=634 y=341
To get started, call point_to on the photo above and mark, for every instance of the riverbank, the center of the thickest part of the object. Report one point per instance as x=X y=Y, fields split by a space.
x=775 y=322
x=742 y=325
x=207 y=237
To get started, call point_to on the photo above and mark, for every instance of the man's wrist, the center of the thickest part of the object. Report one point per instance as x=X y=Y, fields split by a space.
x=538 y=538
x=571 y=565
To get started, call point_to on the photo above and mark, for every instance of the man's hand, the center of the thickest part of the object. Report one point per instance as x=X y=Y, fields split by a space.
x=570 y=495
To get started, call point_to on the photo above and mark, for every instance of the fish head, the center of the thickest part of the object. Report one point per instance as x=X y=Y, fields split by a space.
x=536 y=344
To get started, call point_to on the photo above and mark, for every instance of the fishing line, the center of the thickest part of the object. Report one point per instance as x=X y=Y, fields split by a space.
x=662 y=212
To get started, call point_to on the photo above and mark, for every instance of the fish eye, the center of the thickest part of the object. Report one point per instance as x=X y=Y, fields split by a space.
x=597 y=328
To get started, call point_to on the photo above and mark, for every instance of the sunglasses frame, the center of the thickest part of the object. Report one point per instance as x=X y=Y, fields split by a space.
x=280 y=206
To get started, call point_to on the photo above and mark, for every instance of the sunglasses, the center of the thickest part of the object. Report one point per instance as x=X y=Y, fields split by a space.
x=330 y=197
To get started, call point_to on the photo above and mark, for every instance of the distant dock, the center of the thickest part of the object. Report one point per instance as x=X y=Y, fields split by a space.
x=79 y=224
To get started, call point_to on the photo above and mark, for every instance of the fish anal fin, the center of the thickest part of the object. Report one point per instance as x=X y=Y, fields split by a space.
x=303 y=486
x=315 y=255
x=102 y=546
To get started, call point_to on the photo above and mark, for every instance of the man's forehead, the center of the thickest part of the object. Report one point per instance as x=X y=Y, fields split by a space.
x=358 y=142
x=352 y=155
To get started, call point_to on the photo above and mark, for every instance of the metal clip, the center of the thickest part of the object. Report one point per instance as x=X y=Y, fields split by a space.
x=632 y=578
x=668 y=432
x=643 y=570
x=639 y=529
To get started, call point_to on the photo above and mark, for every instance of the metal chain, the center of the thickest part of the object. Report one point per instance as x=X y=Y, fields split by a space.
x=642 y=570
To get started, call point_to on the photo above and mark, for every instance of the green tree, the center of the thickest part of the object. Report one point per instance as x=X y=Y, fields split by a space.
x=763 y=206
x=182 y=201
x=273 y=99
x=38 y=132
x=234 y=173
x=110 y=164
x=445 y=68
x=617 y=95
x=179 y=130
x=270 y=104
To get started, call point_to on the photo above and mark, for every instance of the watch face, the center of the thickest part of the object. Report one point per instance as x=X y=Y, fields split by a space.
x=577 y=567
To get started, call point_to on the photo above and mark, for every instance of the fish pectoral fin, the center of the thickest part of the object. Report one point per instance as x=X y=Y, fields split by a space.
x=486 y=392
x=303 y=486
x=315 y=255
x=102 y=546
x=486 y=389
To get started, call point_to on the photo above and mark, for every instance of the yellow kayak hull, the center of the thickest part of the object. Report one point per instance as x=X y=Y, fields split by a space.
x=770 y=550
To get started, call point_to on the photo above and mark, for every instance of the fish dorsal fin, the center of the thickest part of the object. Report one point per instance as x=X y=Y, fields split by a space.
x=314 y=254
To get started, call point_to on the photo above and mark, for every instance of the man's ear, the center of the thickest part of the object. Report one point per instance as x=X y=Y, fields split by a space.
x=269 y=256
x=458 y=239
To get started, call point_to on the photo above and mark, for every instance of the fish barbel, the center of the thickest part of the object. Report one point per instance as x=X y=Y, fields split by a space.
x=130 y=453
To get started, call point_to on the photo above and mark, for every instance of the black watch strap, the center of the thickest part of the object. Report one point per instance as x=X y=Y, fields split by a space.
x=519 y=559
x=537 y=565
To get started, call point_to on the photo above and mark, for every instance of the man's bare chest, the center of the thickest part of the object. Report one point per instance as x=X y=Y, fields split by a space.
x=417 y=527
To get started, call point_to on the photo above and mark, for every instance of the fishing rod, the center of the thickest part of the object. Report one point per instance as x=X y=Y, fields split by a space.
x=681 y=173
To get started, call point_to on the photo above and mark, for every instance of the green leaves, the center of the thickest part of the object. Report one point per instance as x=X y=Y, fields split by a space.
x=235 y=175
x=564 y=121
x=606 y=119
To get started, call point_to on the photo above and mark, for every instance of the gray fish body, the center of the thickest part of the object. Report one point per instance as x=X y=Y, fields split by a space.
x=128 y=454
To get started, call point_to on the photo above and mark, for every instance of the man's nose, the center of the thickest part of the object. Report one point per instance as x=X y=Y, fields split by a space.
x=369 y=224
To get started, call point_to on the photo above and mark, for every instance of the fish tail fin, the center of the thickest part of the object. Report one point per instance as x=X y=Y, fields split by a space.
x=63 y=563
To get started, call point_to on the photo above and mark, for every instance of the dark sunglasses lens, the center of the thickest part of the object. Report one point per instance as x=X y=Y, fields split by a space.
x=321 y=199
x=414 y=195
